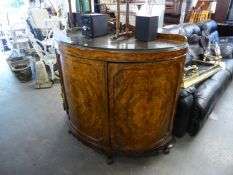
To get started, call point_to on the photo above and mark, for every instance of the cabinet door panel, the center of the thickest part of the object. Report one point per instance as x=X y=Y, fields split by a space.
x=86 y=95
x=142 y=100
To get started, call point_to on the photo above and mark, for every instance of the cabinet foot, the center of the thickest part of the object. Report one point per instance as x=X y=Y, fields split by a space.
x=166 y=150
x=169 y=146
x=110 y=160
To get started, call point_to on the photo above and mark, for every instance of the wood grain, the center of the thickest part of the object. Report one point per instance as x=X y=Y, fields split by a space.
x=121 y=101
x=142 y=98
x=84 y=84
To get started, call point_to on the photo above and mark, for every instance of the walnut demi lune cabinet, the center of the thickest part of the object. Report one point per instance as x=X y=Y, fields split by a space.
x=120 y=97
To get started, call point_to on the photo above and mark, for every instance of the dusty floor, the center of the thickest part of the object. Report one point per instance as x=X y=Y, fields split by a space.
x=34 y=139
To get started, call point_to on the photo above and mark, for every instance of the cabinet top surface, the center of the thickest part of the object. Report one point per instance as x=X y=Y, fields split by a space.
x=104 y=42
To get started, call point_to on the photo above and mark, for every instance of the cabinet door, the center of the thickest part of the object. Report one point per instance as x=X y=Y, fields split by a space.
x=142 y=100
x=87 y=98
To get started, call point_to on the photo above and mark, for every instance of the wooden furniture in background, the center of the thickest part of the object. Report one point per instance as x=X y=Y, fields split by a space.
x=222 y=10
x=229 y=18
x=173 y=7
x=121 y=96
x=200 y=12
x=199 y=15
x=173 y=11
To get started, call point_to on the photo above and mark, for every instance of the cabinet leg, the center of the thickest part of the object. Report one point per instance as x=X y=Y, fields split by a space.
x=69 y=131
x=169 y=146
x=166 y=150
x=109 y=160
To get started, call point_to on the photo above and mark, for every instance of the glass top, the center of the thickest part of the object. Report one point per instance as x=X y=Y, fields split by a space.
x=105 y=42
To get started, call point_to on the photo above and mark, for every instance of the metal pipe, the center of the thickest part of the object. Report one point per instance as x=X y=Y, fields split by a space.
x=118 y=18
x=70 y=14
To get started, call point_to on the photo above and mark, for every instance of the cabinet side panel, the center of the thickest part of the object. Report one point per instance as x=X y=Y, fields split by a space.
x=63 y=94
x=142 y=98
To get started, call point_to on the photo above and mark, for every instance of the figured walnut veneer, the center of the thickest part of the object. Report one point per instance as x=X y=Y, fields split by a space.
x=121 y=100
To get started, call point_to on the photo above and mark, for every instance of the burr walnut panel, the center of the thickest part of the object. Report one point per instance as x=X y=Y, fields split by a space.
x=84 y=82
x=141 y=98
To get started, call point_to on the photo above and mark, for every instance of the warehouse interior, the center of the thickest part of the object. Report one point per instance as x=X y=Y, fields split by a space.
x=53 y=107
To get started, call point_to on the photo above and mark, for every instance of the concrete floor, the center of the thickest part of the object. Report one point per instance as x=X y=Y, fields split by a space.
x=34 y=139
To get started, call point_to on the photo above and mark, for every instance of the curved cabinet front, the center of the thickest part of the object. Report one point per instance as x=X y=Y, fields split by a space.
x=117 y=103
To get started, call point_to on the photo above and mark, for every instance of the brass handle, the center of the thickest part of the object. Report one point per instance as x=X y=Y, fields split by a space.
x=192 y=68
